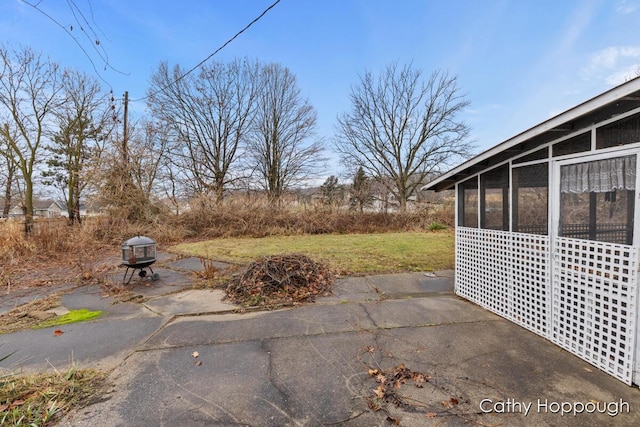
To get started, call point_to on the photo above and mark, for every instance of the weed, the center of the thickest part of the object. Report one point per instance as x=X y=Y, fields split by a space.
x=436 y=226
x=40 y=399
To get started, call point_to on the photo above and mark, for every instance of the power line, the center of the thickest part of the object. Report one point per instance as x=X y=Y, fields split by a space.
x=211 y=55
x=94 y=43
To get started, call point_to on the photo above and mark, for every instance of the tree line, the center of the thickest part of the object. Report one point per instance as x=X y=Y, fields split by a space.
x=232 y=125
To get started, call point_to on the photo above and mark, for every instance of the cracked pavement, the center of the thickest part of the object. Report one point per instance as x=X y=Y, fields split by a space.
x=311 y=365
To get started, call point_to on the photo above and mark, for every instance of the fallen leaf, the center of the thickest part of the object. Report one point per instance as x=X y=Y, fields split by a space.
x=379 y=391
x=57 y=332
x=17 y=403
x=373 y=372
x=380 y=378
x=394 y=421
x=195 y=354
x=370 y=349
x=4 y=408
x=420 y=378
x=431 y=414
x=198 y=362
x=453 y=401
x=588 y=370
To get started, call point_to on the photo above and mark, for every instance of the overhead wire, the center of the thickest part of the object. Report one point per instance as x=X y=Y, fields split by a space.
x=103 y=55
x=210 y=56
x=69 y=30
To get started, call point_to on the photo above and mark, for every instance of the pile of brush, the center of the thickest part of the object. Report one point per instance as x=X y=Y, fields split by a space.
x=280 y=280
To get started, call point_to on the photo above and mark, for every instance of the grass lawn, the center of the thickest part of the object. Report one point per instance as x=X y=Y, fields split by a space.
x=350 y=253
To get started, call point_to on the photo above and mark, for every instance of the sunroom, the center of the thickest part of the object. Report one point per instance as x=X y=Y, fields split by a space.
x=547 y=230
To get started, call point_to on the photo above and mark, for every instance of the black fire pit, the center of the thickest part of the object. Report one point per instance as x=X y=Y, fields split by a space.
x=138 y=253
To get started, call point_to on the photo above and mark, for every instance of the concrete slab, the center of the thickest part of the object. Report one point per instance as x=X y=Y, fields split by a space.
x=169 y=281
x=219 y=329
x=94 y=298
x=195 y=264
x=193 y=301
x=319 y=375
x=445 y=273
x=447 y=309
x=12 y=298
x=309 y=365
x=409 y=284
x=353 y=289
x=100 y=344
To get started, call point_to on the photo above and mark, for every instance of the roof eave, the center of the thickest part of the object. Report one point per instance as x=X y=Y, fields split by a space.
x=448 y=180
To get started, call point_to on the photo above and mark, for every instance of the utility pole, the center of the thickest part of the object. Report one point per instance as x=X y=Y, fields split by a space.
x=125 y=131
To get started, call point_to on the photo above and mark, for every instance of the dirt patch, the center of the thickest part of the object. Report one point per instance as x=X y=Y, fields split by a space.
x=25 y=316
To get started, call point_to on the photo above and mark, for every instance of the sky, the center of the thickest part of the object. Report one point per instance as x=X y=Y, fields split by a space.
x=519 y=62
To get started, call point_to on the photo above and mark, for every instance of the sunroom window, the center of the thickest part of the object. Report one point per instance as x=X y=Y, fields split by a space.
x=531 y=199
x=494 y=199
x=621 y=132
x=576 y=144
x=597 y=200
x=468 y=203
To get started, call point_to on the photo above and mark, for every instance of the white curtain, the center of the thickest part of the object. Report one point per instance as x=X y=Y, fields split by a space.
x=599 y=176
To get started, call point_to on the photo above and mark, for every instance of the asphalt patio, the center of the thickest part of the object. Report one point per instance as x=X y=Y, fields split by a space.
x=382 y=350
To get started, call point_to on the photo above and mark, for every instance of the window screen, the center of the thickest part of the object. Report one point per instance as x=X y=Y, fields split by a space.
x=597 y=200
x=494 y=199
x=468 y=203
x=531 y=199
x=577 y=144
x=625 y=131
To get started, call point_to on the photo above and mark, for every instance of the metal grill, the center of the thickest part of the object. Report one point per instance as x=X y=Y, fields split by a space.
x=594 y=303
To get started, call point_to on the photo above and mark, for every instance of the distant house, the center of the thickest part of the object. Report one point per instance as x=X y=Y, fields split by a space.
x=548 y=230
x=88 y=209
x=14 y=211
x=46 y=208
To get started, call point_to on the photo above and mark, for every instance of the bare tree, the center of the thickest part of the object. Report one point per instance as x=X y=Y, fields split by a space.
x=29 y=94
x=129 y=188
x=403 y=128
x=361 y=191
x=284 y=122
x=149 y=149
x=8 y=174
x=209 y=115
x=83 y=122
x=171 y=179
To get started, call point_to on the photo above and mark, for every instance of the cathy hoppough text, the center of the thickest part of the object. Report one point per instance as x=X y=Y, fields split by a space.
x=546 y=406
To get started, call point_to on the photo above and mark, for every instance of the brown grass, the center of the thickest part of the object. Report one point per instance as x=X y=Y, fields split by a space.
x=258 y=219
x=55 y=252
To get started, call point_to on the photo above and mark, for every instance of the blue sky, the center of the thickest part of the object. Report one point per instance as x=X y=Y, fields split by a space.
x=519 y=61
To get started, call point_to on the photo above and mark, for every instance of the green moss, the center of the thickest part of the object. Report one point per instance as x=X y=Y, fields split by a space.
x=71 y=317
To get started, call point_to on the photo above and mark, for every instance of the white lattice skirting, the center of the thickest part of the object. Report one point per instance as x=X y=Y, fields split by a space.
x=589 y=306
x=594 y=303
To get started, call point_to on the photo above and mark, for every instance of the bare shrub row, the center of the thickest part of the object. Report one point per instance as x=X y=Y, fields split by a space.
x=55 y=239
x=260 y=222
